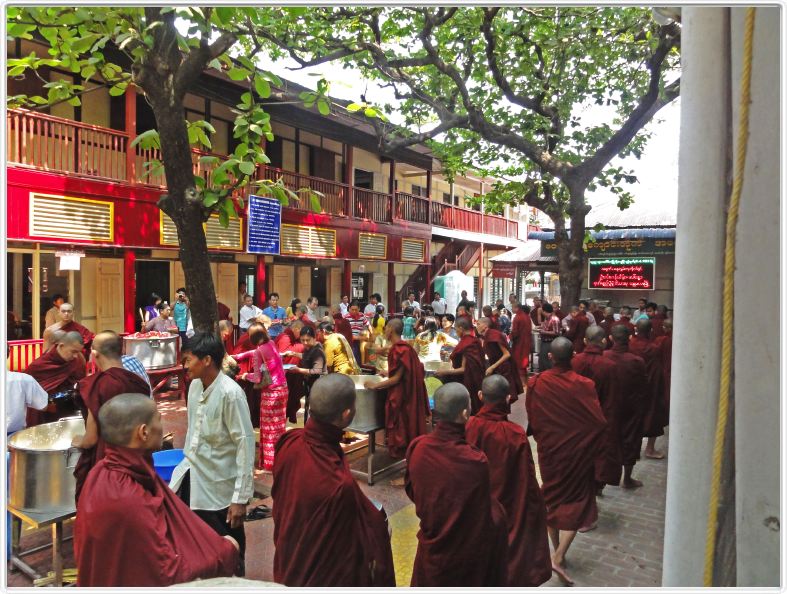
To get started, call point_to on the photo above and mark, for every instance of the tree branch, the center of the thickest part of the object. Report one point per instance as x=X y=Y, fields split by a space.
x=198 y=58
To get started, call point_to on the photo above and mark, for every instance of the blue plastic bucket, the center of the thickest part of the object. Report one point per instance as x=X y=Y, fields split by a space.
x=165 y=462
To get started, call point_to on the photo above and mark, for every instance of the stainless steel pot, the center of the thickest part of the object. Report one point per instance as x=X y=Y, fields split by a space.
x=430 y=367
x=369 y=404
x=154 y=353
x=42 y=466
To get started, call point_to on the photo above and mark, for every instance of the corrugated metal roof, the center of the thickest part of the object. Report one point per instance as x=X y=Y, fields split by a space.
x=653 y=213
x=631 y=233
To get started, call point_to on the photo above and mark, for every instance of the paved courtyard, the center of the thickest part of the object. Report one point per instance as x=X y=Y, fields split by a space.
x=624 y=551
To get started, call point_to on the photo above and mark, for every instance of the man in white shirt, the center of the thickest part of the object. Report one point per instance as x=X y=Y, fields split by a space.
x=411 y=302
x=21 y=391
x=371 y=307
x=439 y=305
x=216 y=478
x=311 y=304
x=248 y=313
x=344 y=306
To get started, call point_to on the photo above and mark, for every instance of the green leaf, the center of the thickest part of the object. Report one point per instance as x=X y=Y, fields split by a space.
x=246 y=167
x=370 y=112
x=224 y=219
x=262 y=87
x=315 y=203
x=147 y=140
x=323 y=107
x=238 y=73
x=224 y=14
x=353 y=107
x=210 y=199
x=241 y=150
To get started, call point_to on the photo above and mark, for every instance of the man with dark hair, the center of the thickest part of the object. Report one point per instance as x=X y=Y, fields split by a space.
x=131 y=529
x=359 y=324
x=311 y=306
x=464 y=302
x=57 y=371
x=592 y=364
x=216 y=477
x=371 y=307
x=95 y=391
x=631 y=379
x=463 y=536
x=180 y=312
x=467 y=360
x=499 y=358
x=567 y=424
x=514 y=484
x=276 y=314
x=52 y=313
x=406 y=405
x=655 y=416
x=326 y=531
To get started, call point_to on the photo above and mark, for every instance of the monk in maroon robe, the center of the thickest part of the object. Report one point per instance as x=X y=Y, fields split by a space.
x=664 y=343
x=536 y=315
x=289 y=341
x=557 y=311
x=467 y=360
x=606 y=324
x=57 y=371
x=326 y=531
x=463 y=535
x=499 y=358
x=223 y=311
x=407 y=404
x=657 y=320
x=567 y=423
x=131 y=529
x=595 y=311
x=577 y=326
x=487 y=312
x=343 y=327
x=521 y=340
x=625 y=320
x=655 y=418
x=512 y=476
x=95 y=391
x=67 y=323
x=591 y=364
x=632 y=384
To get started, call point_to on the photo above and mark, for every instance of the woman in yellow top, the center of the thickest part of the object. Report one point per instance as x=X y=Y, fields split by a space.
x=339 y=356
x=378 y=321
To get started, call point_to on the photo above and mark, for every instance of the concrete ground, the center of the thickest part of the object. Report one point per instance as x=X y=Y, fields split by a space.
x=624 y=551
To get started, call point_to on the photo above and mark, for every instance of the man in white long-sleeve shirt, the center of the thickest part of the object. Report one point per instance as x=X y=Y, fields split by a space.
x=21 y=391
x=216 y=477
x=248 y=313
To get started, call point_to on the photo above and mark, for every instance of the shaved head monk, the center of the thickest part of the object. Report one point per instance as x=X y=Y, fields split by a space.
x=591 y=364
x=463 y=536
x=632 y=382
x=664 y=343
x=656 y=417
x=67 y=323
x=57 y=371
x=467 y=361
x=577 y=326
x=567 y=423
x=95 y=391
x=131 y=529
x=326 y=531
x=407 y=405
x=513 y=480
x=521 y=340
x=499 y=358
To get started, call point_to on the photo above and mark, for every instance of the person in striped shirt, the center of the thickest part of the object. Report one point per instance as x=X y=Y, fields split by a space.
x=359 y=324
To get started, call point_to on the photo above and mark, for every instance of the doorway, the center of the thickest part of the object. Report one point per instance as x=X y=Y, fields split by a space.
x=319 y=285
x=364 y=179
x=152 y=277
x=20 y=296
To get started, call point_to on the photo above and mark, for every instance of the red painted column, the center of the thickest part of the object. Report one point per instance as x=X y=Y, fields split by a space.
x=129 y=291
x=392 y=306
x=131 y=131
x=260 y=282
x=349 y=206
x=347 y=278
x=479 y=297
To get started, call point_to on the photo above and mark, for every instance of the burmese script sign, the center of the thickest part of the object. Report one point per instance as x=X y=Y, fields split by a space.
x=647 y=246
x=622 y=273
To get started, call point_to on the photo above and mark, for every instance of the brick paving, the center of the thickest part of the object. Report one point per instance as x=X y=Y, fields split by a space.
x=624 y=551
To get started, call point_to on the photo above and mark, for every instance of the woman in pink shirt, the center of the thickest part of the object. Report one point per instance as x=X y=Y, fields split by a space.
x=273 y=397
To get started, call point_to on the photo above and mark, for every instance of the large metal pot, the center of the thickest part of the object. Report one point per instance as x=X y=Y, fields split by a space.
x=154 y=353
x=42 y=466
x=369 y=404
x=430 y=367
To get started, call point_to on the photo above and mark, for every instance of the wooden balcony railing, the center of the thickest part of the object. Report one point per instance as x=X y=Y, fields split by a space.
x=49 y=143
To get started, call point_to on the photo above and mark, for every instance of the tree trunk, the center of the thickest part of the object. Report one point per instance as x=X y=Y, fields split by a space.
x=571 y=255
x=184 y=206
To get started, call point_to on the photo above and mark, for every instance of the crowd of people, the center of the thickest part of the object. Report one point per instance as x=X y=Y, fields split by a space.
x=594 y=389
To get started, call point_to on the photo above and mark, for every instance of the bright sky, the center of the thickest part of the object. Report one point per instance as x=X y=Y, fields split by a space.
x=657 y=169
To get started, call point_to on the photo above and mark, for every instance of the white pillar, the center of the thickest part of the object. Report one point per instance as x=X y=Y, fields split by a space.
x=698 y=282
x=757 y=336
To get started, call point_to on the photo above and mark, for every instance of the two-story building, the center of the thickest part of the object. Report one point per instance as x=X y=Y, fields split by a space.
x=83 y=220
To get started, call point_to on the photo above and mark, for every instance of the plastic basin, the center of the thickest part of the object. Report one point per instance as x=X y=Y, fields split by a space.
x=165 y=462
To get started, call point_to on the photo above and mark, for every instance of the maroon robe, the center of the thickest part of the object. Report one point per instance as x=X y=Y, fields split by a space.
x=494 y=322
x=567 y=423
x=512 y=476
x=632 y=384
x=247 y=366
x=598 y=315
x=664 y=342
x=407 y=404
x=286 y=341
x=624 y=321
x=307 y=322
x=655 y=415
x=223 y=311
x=559 y=313
x=521 y=341
x=577 y=326
x=87 y=336
x=470 y=353
x=326 y=531
x=54 y=375
x=657 y=325
x=132 y=530
x=343 y=327
x=493 y=341
x=463 y=534
x=592 y=364
x=95 y=391
x=535 y=318
x=606 y=325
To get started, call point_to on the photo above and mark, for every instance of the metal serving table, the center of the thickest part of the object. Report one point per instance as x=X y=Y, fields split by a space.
x=58 y=575
x=370 y=473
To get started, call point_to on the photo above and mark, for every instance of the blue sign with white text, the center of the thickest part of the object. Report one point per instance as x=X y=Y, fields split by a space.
x=264 y=236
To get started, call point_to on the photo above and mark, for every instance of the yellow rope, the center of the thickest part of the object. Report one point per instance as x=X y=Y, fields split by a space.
x=728 y=297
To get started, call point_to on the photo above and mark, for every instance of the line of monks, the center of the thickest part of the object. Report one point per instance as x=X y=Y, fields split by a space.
x=484 y=519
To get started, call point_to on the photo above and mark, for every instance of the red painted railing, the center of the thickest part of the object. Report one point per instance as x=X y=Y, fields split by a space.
x=65 y=146
x=23 y=352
